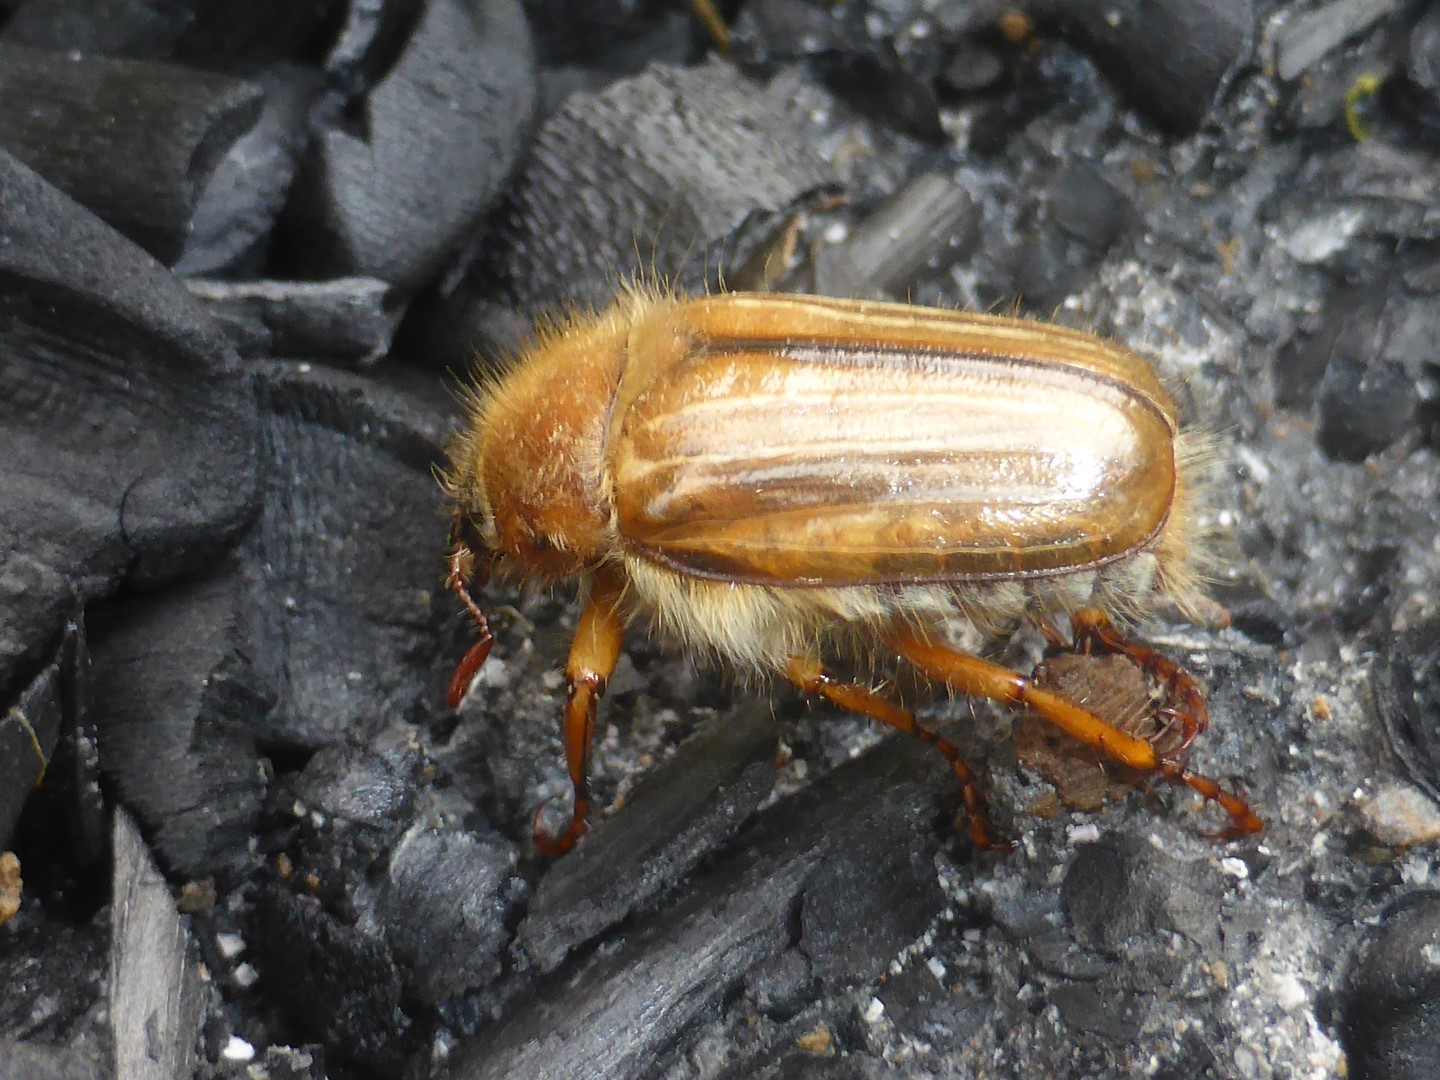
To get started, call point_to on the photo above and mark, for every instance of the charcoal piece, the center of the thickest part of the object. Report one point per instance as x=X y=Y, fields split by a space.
x=1363 y=407
x=1419 y=89
x=438 y=137
x=1098 y=1010
x=1307 y=37
x=1087 y=207
x=157 y=998
x=872 y=897
x=677 y=815
x=622 y=1012
x=338 y=983
x=1175 y=56
x=886 y=60
x=346 y=320
x=1392 y=996
x=1405 y=693
x=54 y=975
x=1079 y=216
x=599 y=32
x=349 y=548
x=1348 y=210
x=231 y=34
x=929 y=219
x=371 y=786
x=130 y=433
x=368 y=41
x=29 y=730
x=236 y=211
x=134 y=142
x=1378 y=349
x=349 y=806
x=32 y=1061
x=292 y=1063
x=675 y=174
x=67 y=826
x=1121 y=890
x=444 y=907
x=181 y=703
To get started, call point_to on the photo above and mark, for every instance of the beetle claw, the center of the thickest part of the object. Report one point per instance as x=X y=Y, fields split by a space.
x=548 y=843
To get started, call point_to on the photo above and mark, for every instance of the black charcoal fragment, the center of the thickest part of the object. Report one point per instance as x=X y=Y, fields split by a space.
x=344 y=320
x=1078 y=217
x=135 y=142
x=877 y=893
x=344 y=813
x=679 y=813
x=349 y=549
x=29 y=730
x=1405 y=693
x=444 y=907
x=623 y=1012
x=130 y=433
x=54 y=975
x=157 y=994
x=1378 y=348
x=1392 y=1000
x=37 y=1061
x=232 y=35
x=1307 y=37
x=181 y=702
x=927 y=221
x=392 y=192
x=617 y=37
x=673 y=174
x=235 y=212
x=1349 y=209
x=1419 y=89
x=340 y=984
x=1176 y=57
x=65 y=834
x=1120 y=891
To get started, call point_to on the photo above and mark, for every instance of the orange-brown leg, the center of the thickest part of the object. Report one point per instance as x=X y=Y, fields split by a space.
x=1092 y=631
x=812 y=677
x=969 y=674
x=593 y=656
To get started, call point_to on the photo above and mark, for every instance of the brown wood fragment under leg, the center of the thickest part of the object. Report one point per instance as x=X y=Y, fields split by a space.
x=967 y=674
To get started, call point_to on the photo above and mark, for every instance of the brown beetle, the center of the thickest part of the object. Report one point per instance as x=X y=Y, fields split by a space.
x=773 y=479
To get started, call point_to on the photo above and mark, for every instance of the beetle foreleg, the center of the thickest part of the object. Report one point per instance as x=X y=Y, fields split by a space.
x=967 y=674
x=812 y=677
x=593 y=656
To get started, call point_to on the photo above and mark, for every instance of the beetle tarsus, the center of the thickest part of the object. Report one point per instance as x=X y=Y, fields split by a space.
x=550 y=844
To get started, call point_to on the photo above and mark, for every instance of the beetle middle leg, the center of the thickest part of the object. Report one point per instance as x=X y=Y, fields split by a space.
x=1093 y=632
x=968 y=674
x=812 y=677
x=593 y=655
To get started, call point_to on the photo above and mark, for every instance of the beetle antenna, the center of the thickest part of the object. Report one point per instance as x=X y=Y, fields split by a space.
x=461 y=564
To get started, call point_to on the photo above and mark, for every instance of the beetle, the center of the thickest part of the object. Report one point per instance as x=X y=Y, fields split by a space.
x=772 y=479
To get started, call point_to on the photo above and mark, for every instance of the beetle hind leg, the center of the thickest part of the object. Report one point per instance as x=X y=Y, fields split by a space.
x=813 y=678
x=968 y=674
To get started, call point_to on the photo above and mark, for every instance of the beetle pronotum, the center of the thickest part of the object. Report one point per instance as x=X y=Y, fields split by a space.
x=772 y=479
